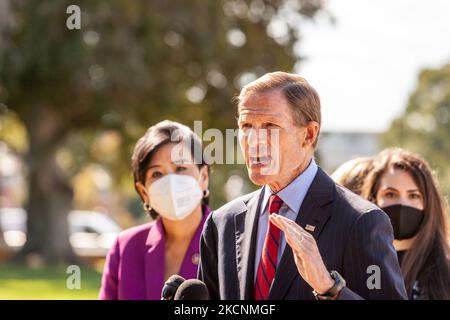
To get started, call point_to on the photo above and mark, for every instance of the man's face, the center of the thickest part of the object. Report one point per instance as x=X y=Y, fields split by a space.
x=272 y=143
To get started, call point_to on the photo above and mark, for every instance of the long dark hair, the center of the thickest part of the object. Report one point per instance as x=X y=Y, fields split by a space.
x=427 y=261
x=154 y=138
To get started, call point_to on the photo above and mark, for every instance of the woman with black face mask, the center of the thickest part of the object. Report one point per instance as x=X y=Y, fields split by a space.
x=403 y=185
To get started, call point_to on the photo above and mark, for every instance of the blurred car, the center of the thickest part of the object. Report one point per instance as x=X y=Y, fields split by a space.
x=91 y=233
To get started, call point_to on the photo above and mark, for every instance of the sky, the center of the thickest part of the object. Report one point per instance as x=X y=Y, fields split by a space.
x=366 y=65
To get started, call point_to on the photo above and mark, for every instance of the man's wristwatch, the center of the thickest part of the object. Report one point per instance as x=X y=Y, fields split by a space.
x=333 y=293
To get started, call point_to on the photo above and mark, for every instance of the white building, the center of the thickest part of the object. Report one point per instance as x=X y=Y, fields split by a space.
x=335 y=148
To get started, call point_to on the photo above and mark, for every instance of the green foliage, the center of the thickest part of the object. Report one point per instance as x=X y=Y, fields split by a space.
x=424 y=128
x=13 y=132
x=49 y=283
x=134 y=63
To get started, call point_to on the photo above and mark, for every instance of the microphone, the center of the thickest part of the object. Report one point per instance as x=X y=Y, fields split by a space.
x=192 y=289
x=170 y=287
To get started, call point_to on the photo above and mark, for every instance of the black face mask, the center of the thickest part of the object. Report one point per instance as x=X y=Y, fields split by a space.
x=405 y=220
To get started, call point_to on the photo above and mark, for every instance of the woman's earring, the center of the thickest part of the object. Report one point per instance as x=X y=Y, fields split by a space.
x=147 y=207
x=206 y=193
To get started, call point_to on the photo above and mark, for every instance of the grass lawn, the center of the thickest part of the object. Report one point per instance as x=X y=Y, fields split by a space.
x=20 y=282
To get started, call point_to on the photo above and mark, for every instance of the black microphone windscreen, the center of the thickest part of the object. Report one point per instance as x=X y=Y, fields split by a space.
x=171 y=286
x=192 y=289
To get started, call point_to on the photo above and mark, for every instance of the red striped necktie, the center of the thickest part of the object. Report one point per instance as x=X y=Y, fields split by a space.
x=268 y=263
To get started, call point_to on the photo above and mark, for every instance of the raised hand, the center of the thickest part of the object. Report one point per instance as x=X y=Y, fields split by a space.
x=306 y=254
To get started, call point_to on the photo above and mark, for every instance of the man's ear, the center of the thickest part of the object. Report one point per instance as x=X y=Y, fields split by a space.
x=312 y=131
x=142 y=192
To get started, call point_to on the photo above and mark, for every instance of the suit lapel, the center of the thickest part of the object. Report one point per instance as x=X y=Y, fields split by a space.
x=155 y=260
x=313 y=212
x=246 y=224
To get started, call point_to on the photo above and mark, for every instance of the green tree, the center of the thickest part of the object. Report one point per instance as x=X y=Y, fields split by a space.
x=131 y=64
x=424 y=127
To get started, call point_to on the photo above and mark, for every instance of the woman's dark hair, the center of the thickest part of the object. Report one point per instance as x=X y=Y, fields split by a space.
x=427 y=261
x=160 y=134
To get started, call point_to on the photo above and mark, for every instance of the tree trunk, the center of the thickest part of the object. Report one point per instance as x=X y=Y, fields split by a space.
x=50 y=194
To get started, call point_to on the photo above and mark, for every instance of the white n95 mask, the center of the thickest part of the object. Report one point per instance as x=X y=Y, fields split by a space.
x=175 y=196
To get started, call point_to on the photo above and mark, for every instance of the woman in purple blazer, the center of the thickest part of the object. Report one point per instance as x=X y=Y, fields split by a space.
x=171 y=177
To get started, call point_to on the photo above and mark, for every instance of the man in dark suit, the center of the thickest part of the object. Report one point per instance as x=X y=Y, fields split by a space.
x=300 y=236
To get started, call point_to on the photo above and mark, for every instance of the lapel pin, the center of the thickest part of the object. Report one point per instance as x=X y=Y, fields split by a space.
x=195 y=258
x=310 y=228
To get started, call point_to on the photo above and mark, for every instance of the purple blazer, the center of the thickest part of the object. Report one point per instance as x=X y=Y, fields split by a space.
x=134 y=268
